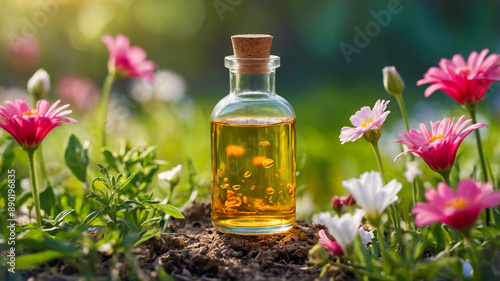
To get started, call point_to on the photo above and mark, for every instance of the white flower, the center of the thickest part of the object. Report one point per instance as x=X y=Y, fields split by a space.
x=371 y=194
x=344 y=229
x=39 y=83
x=366 y=236
x=173 y=176
x=168 y=86
x=412 y=171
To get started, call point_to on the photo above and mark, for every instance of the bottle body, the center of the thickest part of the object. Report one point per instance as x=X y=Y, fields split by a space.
x=253 y=158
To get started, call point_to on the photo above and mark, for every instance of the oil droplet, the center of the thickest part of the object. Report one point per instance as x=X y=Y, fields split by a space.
x=236 y=186
x=229 y=194
x=221 y=186
x=267 y=163
x=252 y=187
x=270 y=199
x=284 y=201
x=242 y=180
x=281 y=170
x=226 y=179
x=233 y=202
x=226 y=186
x=276 y=175
x=291 y=191
x=220 y=174
x=247 y=174
x=234 y=150
x=269 y=190
x=264 y=143
x=288 y=186
x=245 y=199
x=280 y=192
x=257 y=160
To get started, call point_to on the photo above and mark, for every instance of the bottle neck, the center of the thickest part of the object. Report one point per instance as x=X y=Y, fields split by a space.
x=242 y=83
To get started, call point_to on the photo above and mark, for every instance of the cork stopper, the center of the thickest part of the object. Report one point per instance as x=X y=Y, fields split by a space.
x=253 y=47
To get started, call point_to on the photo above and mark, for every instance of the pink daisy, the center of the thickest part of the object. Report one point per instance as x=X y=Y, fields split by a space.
x=30 y=126
x=331 y=245
x=458 y=210
x=438 y=146
x=365 y=120
x=127 y=61
x=465 y=82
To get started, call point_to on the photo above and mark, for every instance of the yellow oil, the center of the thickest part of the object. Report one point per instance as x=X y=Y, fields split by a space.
x=253 y=175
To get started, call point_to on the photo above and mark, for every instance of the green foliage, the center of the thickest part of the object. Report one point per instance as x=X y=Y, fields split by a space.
x=76 y=157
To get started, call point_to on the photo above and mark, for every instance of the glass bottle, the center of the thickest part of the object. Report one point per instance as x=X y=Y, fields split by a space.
x=253 y=146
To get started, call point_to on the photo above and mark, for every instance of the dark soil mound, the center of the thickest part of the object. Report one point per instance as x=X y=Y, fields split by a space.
x=198 y=252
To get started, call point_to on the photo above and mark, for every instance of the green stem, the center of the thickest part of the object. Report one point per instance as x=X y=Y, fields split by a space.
x=446 y=176
x=484 y=170
x=41 y=160
x=473 y=255
x=401 y=104
x=379 y=161
x=383 y=249
x=392 y=212
x=360 y=271
x=34 y=186
x=106 y=91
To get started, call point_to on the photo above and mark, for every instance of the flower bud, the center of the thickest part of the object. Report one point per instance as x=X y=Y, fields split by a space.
x=337 y=203
x=39 y=84
x=393 y=83
x=173 y=176
x=319 y=255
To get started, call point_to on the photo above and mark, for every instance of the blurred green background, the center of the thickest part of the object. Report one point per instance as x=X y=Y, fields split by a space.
x=188 y=40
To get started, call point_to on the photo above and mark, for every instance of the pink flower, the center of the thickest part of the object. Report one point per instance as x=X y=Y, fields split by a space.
x=458 y=210
x=438 y=146
x=465 y=82
x=338 y=202
x=127 y=61
x=79 y=91
x=30 y=126
x=333 y=246
x=365 y=120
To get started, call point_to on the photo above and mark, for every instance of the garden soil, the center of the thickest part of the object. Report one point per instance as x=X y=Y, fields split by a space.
x=194 y=250
x=198 y=252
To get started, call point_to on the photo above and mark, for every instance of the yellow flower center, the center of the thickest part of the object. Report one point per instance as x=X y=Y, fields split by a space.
x=433 y=138
x=464 y=69
x=366 y=122
x=459 y=203
x=32 y=112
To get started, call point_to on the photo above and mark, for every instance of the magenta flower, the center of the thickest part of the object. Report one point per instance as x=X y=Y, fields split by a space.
x=438 y=146
x=331 y=245
x=465 y=82
x=339 y=202
x=30 y=126
x=365 y=120
x=458 y=210
x=126 y=61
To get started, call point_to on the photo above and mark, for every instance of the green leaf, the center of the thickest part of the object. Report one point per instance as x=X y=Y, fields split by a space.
x=132 y=227
x=92 y=216
x=126 y=182
x=48 y=200
x=60 y=217
x=76 y=158
x=110 y=159
x=168 y=209
x=36 y=259
x=8 y=153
